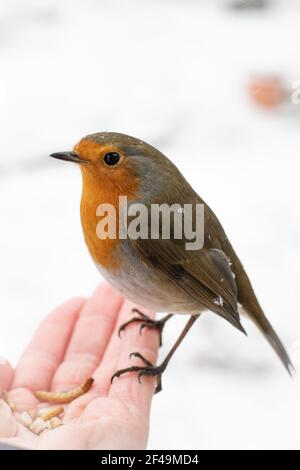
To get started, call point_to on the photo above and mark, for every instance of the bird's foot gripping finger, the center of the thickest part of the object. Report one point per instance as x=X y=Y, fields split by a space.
x=146 y=322
x=148 y=370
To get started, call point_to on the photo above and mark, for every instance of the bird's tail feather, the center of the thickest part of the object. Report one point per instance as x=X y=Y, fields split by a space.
x=270 y=334
x=250 y=304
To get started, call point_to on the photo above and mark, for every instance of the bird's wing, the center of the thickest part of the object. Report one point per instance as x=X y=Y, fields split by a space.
x=204 y=275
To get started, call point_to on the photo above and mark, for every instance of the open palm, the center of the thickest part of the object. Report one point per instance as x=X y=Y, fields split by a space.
x=77 y=341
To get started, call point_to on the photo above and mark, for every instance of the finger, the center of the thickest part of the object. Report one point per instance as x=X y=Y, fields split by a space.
x=8 y=424
x=103 y=373
x=47 y=348
x=127 y=388
x=6 y=375
x=108 y=365
x=111 y=360
x=90 y=338
x=22 y=399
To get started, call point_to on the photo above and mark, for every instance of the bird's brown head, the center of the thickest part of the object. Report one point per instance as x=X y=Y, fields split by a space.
x=115 y=165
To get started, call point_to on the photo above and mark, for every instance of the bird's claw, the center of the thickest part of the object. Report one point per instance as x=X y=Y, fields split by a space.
x=146 y=322
x=147 y=370
x=142 y=317
x=139 y=355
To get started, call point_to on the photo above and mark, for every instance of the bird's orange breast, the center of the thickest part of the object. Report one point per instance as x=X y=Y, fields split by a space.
x=104 y=189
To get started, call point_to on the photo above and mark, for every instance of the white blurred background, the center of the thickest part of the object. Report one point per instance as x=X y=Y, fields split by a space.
x=210 y=83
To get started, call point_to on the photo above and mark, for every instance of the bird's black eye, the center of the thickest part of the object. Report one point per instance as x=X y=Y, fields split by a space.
x=111 y=158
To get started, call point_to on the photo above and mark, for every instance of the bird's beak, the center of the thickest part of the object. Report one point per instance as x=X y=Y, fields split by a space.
x=69 y=157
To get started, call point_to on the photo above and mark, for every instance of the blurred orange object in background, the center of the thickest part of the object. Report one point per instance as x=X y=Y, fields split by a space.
x=267 y=91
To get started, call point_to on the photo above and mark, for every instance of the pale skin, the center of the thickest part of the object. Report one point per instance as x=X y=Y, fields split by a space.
x=76 y=341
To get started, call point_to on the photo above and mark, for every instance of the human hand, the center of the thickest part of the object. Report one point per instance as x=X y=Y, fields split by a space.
x=80 y=340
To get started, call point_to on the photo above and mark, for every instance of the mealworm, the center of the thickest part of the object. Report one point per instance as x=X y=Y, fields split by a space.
x=9 y=401
x=65 y=397
x=26 y=419
x=44 y=410
x=55 y=423
x=32 y=414
x=38 y=426
x=54 y=413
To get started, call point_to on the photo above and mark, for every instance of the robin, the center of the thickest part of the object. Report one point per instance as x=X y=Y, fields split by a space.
x=156 y=272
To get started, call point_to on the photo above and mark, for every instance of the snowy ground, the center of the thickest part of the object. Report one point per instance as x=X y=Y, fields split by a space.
x=175 y=74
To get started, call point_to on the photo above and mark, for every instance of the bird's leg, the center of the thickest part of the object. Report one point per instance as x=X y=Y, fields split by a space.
x=156 y=371
x=147 y=322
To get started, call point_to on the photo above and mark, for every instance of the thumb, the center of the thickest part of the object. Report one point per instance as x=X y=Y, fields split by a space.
x=6 y=375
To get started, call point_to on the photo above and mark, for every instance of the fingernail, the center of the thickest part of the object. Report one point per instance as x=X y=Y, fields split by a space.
x=3 y=361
